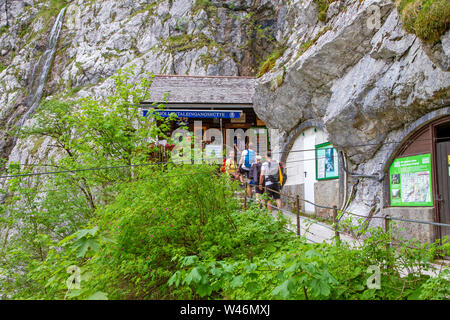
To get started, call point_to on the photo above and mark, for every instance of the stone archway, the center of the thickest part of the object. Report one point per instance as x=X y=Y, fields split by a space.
x=293 y=135
x=309 y=158
x=417 y=171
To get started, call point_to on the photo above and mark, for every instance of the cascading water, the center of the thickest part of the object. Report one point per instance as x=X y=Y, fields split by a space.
x=41 y=70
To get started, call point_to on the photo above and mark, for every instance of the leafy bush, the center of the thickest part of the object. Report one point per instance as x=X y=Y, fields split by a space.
x=318 y=271
x=137 y=240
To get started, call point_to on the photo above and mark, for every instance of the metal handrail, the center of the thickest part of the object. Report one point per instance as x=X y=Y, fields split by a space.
x=386 y=218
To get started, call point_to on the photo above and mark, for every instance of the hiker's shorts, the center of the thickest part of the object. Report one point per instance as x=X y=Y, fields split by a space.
x=273 y=194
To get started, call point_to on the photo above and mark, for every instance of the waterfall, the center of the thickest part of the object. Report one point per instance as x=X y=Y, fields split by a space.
x=41 y=69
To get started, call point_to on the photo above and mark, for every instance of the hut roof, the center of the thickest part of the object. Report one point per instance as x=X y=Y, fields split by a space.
x=202 y=89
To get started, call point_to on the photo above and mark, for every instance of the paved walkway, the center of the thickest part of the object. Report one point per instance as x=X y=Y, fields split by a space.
x=318 y=232
x=315 y=231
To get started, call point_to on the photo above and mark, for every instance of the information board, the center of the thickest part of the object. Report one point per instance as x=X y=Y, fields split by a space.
x=327 y=162
x=410 y=181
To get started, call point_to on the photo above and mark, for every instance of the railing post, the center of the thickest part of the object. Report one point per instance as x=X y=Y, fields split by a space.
x=297 y=206
x=387 y=219
x=245 y=196
x=335 y=224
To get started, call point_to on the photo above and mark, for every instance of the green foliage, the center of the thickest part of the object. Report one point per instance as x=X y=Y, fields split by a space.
x=4 y=29
x=87 y=133
x=53 y=8
x=170 y=231
x=428 y=19
x=318 y=271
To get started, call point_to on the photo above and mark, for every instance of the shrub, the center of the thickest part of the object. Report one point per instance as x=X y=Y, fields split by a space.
x=428 y=19
x=270 y=61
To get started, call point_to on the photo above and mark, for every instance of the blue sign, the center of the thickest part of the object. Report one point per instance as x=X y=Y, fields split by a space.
x=197 y=113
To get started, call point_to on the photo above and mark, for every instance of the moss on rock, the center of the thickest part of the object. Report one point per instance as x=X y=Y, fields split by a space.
x=428 y=19
x=323 y=7
x=270 y=61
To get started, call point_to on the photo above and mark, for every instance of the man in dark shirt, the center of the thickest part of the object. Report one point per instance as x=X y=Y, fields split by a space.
x=254 y=175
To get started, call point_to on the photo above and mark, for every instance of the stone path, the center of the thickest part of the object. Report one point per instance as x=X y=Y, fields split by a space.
x=318 y=232
x=315 y=231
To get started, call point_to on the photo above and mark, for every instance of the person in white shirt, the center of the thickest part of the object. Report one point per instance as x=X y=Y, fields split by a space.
x=248 y=157
x=270 y=175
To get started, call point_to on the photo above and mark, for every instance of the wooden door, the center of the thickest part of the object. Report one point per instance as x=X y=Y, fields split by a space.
x=443 y=175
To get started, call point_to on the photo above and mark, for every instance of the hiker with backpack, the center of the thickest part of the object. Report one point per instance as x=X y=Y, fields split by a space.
x=272 y=176
x=248 y=157
x=255 y=173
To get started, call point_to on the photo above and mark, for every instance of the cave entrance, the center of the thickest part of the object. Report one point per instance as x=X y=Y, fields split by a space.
x=419 y=180
x=442 y=132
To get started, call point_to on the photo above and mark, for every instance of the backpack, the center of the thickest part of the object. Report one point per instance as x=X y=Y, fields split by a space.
x=275 y=176
x=255 y=172
x=282 y=174
x=279 y=176
x=249 y=158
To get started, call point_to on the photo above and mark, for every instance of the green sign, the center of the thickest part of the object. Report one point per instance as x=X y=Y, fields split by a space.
x=410 y=181
x=327 y=163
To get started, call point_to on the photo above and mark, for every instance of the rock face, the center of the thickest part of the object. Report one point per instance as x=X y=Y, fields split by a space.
x=361 y=78
x=99 y=37
x=360 y=75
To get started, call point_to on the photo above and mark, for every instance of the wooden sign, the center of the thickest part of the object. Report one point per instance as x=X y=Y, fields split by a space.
x=241 y=119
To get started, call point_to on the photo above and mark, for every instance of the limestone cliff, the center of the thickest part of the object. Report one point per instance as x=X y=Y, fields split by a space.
x=355 y=70
x=197 y=37
x=361 y=76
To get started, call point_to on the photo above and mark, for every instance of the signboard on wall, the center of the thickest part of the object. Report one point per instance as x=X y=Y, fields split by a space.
x=224 y=114
x=410 y=181
x=241 y=119
x=327 y=162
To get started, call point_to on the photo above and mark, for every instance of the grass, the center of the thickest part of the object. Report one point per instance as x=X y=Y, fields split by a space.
x=270 y=60
x=323 y=7
x=2 y=67
x=428 y=19
x=4 y=29
x=53 y=8
x=186 y=42
x=305 y=46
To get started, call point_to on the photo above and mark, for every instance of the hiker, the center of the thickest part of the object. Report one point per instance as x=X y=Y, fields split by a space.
x=231 y=166
x=255 y=173
x=248 y=157
x=270 y=175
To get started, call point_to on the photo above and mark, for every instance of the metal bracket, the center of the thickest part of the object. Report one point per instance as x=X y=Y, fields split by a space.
x=379 y=176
